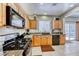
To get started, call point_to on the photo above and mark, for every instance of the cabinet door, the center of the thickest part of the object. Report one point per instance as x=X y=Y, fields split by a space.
x=77 y=30
x=14 y=6
x=33 y=40
x=46 y=40
x=4 y=13
x=49 y=40
x=62 y=39
x=61 y=24
x=43 y=40
x=1 y=14
x=36 y=41
x=56 y=24
x=32 y=24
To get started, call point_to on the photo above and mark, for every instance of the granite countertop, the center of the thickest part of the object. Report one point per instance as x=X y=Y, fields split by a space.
x=4 y=31
x=19 y=52
x=13 y=53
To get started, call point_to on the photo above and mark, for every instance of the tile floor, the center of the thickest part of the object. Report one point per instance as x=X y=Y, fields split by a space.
x=69 y=49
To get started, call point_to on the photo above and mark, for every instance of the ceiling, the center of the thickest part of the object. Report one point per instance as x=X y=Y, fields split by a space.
x=54 y=9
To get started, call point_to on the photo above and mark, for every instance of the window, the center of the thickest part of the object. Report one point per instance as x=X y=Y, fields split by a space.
x=44 y=25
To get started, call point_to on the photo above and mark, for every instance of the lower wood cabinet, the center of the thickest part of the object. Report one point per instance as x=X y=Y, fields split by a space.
x=62 y=39
x=38 y=40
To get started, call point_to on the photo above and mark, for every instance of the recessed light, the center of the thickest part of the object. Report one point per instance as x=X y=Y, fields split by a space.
x=34 y=12
x=45 y=13
x=44 y=17
x=71 y=5
x=41 y=3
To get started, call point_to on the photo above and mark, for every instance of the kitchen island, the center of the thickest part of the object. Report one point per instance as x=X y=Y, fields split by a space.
x=47 y=39
x=39 y=39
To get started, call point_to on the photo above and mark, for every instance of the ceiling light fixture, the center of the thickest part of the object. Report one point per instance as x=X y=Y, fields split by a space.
x=44 y=17
x=35 y=12
x=45 y=13
x=41 y=3
x=71 y=5
x=54 y=4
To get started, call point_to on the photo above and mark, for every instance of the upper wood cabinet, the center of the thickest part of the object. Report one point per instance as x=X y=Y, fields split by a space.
x=32 y=24
x=14 y=6
x=77 y=30
x=57 y=24
x=2 y=14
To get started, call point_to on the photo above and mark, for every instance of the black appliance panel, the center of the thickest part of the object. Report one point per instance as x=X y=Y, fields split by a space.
x=55 y=39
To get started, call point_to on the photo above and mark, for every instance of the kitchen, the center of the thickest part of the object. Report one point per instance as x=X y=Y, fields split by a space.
x=40 y=29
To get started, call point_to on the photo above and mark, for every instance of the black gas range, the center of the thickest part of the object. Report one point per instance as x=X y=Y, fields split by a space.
x=18 y=43
x=55 y=39
x=56 y=36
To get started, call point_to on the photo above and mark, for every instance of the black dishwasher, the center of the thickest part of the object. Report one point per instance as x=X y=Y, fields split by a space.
x=55 y=39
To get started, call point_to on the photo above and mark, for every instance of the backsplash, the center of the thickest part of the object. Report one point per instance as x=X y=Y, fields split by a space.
x=34 y=30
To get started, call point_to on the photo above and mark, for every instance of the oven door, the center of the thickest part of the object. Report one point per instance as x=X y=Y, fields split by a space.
x=55 y=39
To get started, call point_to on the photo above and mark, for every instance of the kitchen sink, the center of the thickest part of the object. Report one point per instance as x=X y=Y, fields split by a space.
x=45 y=33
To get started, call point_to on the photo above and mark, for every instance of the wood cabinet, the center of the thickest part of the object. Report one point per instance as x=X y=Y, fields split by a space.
x=62 y=39
x=57 y=24
x=32 y=24
x=77 y=30
x=17 y=8
x=38 y=40
x=14 y=6
x=2 y=14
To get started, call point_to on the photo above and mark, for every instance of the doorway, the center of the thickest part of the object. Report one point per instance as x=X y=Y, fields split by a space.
x=70 y=30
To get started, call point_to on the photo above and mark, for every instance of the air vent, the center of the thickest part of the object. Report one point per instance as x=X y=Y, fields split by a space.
x=57 y=18
x=54 y=4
